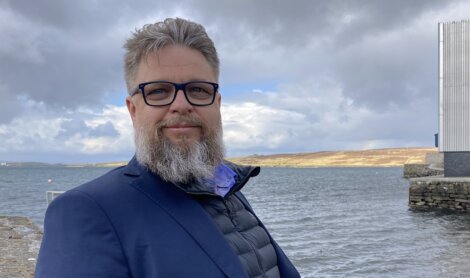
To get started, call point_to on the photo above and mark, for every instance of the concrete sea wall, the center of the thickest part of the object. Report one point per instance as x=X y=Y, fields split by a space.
x=420 y=170
x=440 y=192
x=19 y=245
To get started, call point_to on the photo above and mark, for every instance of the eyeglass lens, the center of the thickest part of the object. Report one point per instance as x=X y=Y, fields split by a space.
x=163 y=93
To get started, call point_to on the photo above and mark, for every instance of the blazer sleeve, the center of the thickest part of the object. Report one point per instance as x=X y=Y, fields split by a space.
x=79 y=240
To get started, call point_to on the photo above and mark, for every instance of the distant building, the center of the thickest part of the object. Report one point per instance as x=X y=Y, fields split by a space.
x=3 y=164
x=454 y=97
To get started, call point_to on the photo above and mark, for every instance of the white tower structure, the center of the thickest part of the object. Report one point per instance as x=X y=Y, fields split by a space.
x=454 y=97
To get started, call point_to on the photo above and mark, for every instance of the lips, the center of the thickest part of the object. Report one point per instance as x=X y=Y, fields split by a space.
x=182 y=125
x=184 y=129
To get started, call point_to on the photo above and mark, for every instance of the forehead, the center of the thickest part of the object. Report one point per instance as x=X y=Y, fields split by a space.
x=175 y=63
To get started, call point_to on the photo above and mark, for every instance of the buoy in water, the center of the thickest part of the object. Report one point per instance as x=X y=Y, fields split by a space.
x=49 y=180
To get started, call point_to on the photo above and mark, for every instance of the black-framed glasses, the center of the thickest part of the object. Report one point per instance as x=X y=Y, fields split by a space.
x=162 y=93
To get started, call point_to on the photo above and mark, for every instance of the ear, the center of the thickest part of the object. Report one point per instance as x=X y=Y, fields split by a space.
x=131 y=108
x=218 y=100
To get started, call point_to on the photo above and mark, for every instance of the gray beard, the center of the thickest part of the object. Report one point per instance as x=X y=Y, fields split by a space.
x=179 y=163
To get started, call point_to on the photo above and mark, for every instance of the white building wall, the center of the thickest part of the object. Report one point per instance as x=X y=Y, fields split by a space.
x=454 y=86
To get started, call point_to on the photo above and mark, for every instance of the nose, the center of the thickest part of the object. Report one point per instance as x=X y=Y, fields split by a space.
x=181 y=104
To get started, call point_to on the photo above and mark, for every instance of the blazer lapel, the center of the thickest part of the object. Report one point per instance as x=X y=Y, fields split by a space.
x=190 y=215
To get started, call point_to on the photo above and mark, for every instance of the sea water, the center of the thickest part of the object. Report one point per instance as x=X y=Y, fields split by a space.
x=331 y=222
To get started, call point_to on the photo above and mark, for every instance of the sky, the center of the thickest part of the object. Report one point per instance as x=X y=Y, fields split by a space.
x=296 y=76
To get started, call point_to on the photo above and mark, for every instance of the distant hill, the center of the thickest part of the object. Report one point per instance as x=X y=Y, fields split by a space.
x=395 y=157
x=110 y=164
x=29 y=164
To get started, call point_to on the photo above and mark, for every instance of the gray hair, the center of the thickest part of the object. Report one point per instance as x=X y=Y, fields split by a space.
x=172 y=31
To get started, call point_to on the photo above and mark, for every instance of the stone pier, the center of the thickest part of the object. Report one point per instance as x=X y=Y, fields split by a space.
x=440 y=192
x=433 y=166
x=19 y=245
x=420 y=170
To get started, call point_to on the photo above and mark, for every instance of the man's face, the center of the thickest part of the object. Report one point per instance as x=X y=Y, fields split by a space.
x=176 y=64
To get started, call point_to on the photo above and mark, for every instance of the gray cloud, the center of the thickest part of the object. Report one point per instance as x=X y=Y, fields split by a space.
x=104 y=130
x=388 y=75
x=78 y=127
x=69 y=54
x=378 y=55
x=342 y=39
x=53 y=54
x=297 y=23
x=9 y=106
x=72 y=127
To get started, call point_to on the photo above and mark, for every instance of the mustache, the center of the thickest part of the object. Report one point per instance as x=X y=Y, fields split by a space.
x=186 y=119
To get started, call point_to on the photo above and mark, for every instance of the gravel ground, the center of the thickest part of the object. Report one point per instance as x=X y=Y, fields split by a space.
x=19 y=245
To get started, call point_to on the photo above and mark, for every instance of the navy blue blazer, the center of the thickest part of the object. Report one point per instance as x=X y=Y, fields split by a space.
x=130 y=223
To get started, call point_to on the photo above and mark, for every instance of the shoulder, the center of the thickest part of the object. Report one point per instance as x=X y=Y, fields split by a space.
x=112 y=183
x=119 y=193
x=77 y=230
x=114 y=176
x=86 y=198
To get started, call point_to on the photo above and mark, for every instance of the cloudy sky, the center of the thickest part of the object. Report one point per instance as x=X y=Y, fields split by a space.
x=296 y=76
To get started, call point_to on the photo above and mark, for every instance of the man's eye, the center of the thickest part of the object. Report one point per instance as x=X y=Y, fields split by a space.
x=158 y=93
x=199 y=92
x=197 y=89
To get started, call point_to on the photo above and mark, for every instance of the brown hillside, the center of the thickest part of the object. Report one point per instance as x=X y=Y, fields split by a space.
x=367 y=158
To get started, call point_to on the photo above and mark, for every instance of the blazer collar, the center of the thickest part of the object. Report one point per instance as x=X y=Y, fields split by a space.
x=189 y=214
x=133 y=168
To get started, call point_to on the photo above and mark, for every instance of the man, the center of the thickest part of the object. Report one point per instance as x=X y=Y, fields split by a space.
x=176 y=209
